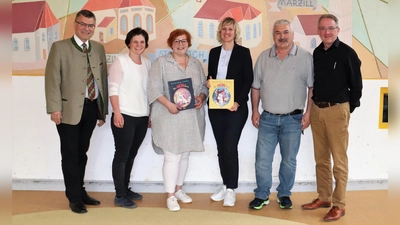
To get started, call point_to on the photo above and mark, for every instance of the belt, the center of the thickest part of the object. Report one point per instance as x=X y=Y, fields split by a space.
x=295 y=112
x=90 y=101
x=325 y=104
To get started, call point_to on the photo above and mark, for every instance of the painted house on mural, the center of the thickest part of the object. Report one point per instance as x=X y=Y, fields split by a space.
x=115 y=18
x=305 y=31
x=34 y=29
x=211 y=12
x=106 y=29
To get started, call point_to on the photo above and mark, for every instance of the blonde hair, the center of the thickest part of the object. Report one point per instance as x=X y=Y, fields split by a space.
x=228 y=21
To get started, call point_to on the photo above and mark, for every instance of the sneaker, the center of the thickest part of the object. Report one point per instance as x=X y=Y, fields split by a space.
x=133 y=195
x=258 y=203
x=124 y=202
x=219 y=195
x=230 y=197
x=285 y=202
x=172 y=204
x=183 y=197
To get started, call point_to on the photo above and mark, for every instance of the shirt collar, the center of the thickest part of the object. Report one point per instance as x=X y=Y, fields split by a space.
x=336 y=43
x=169 y=57
x=293 y=50
x=79 y=42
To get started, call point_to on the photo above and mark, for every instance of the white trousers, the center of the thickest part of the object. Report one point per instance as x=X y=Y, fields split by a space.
x=174 y=170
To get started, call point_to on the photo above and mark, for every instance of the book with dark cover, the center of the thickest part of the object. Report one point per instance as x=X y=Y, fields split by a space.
x=181 y=93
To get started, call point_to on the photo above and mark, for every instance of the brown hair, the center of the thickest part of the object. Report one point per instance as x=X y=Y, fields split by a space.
x=86 y=13
x=178 y=32
x=134 y=32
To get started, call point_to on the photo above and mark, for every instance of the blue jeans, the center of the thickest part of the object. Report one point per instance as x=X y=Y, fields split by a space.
x=285 y=130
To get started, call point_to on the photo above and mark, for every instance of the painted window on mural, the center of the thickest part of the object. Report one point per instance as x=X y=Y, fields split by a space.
x=15 y=44
x=212 y=31
x=123 y=24
x=137 y=21
x=200 y=29
x=247 y=32
x=313 y=43
x=149 y=25
x=27 y=45
x=49 y=36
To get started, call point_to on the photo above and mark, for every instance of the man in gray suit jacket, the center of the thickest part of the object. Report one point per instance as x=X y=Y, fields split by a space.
x=76 y=67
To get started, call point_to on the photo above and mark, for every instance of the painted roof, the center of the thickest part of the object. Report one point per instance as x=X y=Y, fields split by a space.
x=220 y=9
x=106 y=21
x=127 y=3
x=309 y=23
x=40 y=16
x=96 y=5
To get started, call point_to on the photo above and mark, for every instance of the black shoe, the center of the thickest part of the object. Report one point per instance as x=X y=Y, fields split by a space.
x=124 y=202
x=258 y=203
x=285 y=202
x=133 y=195
x=87 y=200
x=78 y=207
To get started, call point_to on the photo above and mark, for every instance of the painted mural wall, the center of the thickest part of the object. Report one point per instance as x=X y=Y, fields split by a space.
x=38 y=24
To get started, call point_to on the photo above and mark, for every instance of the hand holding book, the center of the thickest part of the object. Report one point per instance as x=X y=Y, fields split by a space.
x=199 y=100
x=181 y=93
x=221 y=94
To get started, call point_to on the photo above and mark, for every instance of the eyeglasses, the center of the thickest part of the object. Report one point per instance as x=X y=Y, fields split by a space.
x=84 y=25
x=183 y=42
x=326 y=28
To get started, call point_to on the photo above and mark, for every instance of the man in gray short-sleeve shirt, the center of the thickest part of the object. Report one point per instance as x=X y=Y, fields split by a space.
x=282 y=76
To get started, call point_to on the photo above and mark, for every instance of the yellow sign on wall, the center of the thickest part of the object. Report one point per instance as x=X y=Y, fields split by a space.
x=384 y=109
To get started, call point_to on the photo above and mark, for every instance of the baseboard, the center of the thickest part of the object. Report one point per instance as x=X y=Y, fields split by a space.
x=190 y=187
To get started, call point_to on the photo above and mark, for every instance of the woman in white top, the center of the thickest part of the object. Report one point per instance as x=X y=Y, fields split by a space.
x=128 y=80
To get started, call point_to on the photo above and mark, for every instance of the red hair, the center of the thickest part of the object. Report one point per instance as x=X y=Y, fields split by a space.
x=178 y=32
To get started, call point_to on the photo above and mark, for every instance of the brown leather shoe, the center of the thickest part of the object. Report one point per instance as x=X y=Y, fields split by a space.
x=315 y=204
x=334 y=214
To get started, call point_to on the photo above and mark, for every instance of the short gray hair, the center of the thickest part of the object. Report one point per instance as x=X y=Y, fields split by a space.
x=283 y=22
x=329 y=16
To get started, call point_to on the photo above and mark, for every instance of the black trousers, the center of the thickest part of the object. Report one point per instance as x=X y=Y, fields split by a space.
x=227 y=127
x=75 y=141
x=127 y=143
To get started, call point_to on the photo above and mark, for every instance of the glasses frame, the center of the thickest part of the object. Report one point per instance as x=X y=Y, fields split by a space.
x=327 y=28
x=84 y=25
x=178 y=42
